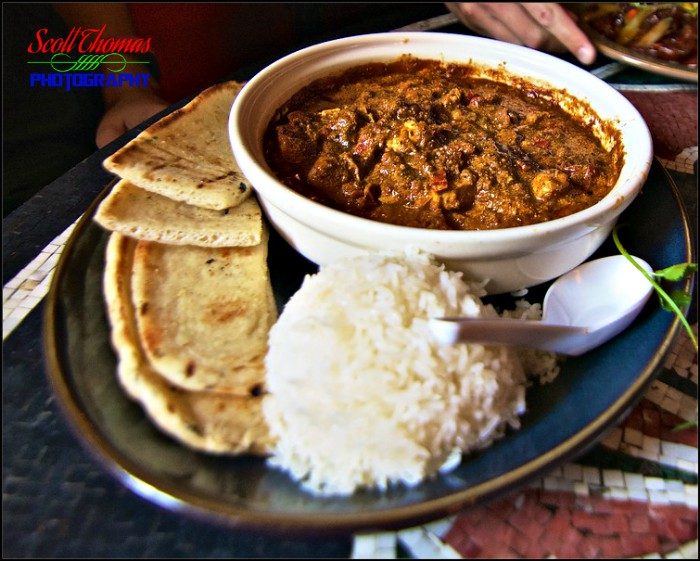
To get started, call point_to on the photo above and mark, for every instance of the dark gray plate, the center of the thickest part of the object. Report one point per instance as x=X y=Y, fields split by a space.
x=563 y=419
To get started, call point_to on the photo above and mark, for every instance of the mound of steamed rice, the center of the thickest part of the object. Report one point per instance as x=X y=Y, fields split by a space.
x=361 y=395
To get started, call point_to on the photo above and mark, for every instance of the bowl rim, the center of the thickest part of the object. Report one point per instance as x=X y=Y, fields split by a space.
x=632 y=175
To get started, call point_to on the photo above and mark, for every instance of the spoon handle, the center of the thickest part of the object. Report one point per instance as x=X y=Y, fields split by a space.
x=532 y=334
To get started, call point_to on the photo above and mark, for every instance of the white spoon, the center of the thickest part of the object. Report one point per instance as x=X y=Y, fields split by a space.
x=581 y=310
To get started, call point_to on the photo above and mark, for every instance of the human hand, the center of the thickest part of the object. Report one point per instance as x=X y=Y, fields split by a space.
x=539 y=25
x=125 y=112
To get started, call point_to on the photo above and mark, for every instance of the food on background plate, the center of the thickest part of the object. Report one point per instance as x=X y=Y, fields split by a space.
x=186 y=156
x=420 y=143
x=208 y=421
x=360 y=395
x=203 y=314
x=145 y=215
x=666 y=31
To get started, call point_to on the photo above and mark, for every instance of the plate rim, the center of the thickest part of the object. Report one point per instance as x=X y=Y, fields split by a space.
x=149 y=486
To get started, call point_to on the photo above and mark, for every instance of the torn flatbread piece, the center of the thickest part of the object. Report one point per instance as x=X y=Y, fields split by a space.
x=206 y=421
x=204 y=314
x=145 y=215
x=186 y=156
x=208 y=116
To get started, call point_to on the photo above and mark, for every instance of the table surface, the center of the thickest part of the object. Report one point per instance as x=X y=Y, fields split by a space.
x=634 y=494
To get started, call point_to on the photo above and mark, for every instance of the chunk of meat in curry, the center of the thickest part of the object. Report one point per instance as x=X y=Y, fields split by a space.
x=422 y=144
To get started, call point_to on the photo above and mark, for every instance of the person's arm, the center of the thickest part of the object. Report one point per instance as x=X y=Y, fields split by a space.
x=540 y=25
x=125 y=107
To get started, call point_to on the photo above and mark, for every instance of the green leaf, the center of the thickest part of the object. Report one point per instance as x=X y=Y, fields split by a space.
x=680 y=298
x=666 y=301
x=684 y=426
x=676 y=272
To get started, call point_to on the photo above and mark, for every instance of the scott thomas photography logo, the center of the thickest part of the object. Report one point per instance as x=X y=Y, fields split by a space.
x=87 y=58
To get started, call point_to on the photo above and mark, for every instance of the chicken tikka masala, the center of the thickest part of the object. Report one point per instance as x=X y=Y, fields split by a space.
x=425 y=144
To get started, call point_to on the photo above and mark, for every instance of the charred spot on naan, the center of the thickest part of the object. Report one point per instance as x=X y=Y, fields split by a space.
x=226 y=310
x=228 y=175
x=190 y=368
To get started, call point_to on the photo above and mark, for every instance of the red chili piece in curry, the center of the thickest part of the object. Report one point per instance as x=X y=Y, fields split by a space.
x=424 y=144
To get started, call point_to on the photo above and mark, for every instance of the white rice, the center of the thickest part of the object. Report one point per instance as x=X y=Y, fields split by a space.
x=362 y=396
x=539 y=365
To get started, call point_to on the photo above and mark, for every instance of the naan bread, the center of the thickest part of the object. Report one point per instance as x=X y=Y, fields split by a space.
x=207 y=115
x=186 y=156
x=145 y=215
x=206 y=421
x=203 y=314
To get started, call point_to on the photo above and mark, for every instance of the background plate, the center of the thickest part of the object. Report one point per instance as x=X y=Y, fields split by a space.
x=563 y=418
x=621 y=53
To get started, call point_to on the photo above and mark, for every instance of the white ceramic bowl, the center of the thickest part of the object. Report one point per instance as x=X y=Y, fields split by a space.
x=509 y=259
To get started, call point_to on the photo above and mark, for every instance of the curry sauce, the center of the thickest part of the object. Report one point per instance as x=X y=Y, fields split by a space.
x=425 y=144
